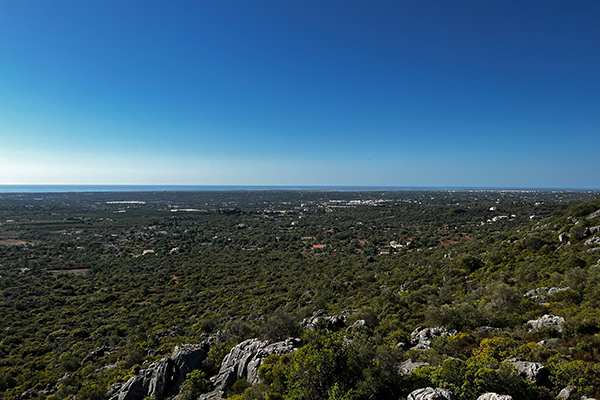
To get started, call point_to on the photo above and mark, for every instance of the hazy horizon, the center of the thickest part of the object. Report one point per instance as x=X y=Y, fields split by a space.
x=50 y=188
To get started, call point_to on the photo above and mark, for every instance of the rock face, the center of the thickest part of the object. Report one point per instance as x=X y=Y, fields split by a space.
x=163 y=378
x=534 y=372
x=494 y=396
x=243 y=362
x=332 y=322
x=421 y=337
x=430 y=393
x=551 y=321
x=410 y=366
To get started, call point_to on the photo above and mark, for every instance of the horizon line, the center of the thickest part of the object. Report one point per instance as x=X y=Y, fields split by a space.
x=72 y=188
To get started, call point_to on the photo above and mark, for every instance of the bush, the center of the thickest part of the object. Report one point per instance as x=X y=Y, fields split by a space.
x=195 y=384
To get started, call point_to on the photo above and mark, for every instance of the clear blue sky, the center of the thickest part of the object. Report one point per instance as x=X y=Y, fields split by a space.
x=218 y=92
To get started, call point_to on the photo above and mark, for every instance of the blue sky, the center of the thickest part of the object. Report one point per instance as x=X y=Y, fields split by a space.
x=395 y=93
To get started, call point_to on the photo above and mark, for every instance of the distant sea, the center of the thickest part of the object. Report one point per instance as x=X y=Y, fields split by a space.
x=192 y=188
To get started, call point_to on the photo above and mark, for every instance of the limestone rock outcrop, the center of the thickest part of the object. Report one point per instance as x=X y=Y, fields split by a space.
x=550 y=321
x=410 y=366
x=421 y=337
x=243 y=362
x=540 y=294
x=330 y=322
x=494 y=396
x=595 y=214
x=164 y=377
x=534 y=372
x=430 y=393
x=594 y=229
x=565 y=393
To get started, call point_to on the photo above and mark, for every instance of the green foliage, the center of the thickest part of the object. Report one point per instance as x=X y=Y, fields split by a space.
x=87 y=285
x=195 y=384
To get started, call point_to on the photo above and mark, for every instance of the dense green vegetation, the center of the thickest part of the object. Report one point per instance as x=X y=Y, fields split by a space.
x=82 y=271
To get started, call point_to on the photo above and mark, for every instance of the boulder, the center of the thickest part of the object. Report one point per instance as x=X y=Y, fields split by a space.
x=430 y=393
x=595 y=214
x=356 y=325
x=243 y=362
x=553 y=290
x=494 y=396
x=488 y=329
x=539 y=294
x=534 y=372
x=566 y=393
x=409 y=366
x=592 y=241
x=162 y=378
x=551 y=321
x=332 y=322
x=421 y=337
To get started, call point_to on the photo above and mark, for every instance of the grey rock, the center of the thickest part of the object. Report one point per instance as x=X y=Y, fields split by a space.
x=114 y=389
x=409 y=366
x=243 y=362
x=187 y=359
x=592 y=241
x=133 y=389
x=430 y=393
x=551 y=321
x=357 y=324
x=158 y=378
x=587 y=398
x=488 y=329
x=540 y=294
x=566 y=392
x=162 y=378
x=109 y=366
x=563 y=238
x=595 y=214
x=27 y=394
x=494 y=396
x=50 y=388
x=536 y=291
x=332 y=322
x=421 y=337
x=534 y=372
x=553 y=290
x=593 y=249
x=594 y=229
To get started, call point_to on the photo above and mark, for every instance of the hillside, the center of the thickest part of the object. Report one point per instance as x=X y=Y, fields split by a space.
x=95 y=288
